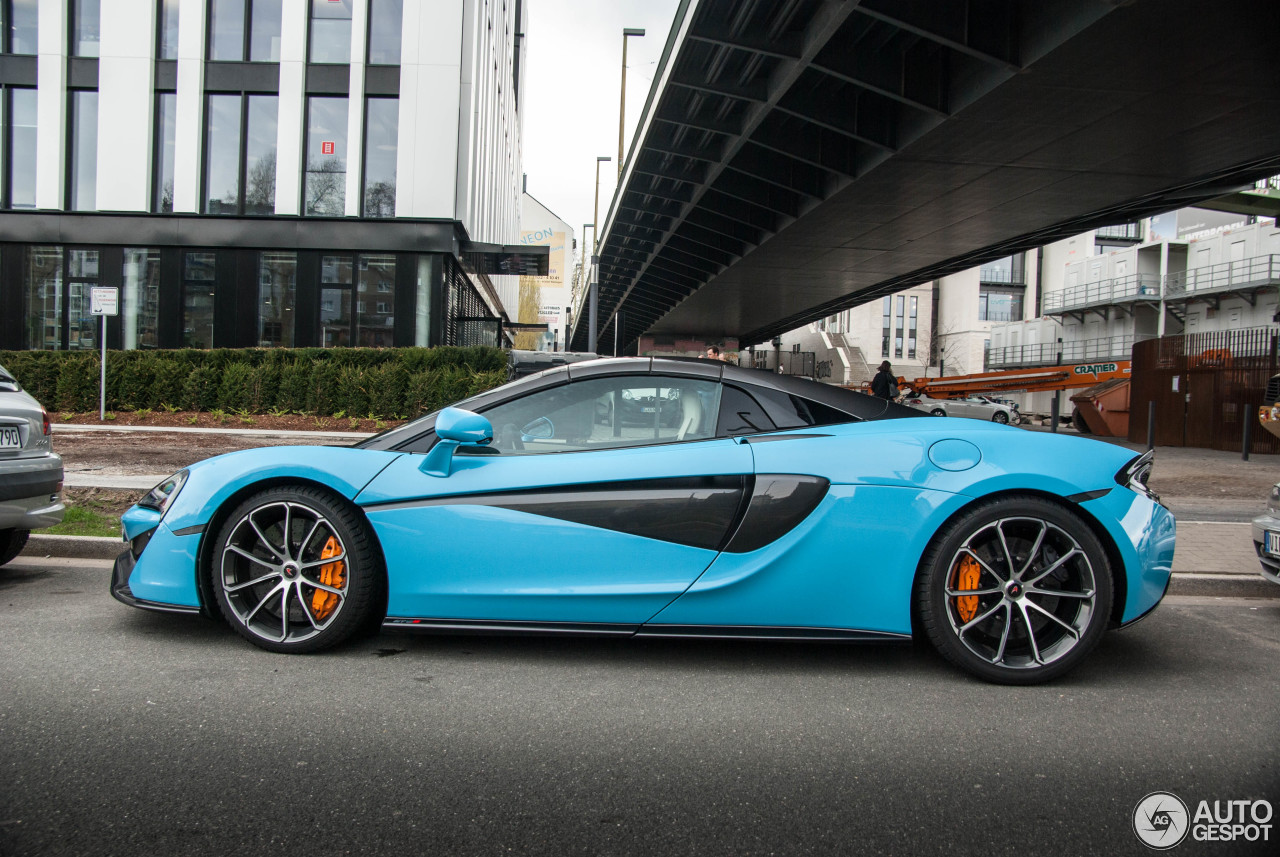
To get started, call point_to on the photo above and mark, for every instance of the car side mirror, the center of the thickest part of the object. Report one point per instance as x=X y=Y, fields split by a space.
x=455 y=427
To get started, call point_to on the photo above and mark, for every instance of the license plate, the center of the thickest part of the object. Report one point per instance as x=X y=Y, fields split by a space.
x=648 y=410
x=9 y=438
x=1272 y=544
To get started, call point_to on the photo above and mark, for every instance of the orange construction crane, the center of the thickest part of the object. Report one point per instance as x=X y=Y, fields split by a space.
x=1037 y=380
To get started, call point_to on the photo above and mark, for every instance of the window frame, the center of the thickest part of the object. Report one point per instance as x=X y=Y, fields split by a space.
x=242 y=166
x=246 y=33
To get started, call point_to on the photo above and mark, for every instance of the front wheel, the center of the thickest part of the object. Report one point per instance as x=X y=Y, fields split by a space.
x=1015 y=591
x=296 y=570
x=938 y=412
x=1000 y=417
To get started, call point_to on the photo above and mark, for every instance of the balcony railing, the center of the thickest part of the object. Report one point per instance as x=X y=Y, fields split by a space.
x=1003 y=276
x=1242 y=274
x=1046 y=353
x=1134 y=287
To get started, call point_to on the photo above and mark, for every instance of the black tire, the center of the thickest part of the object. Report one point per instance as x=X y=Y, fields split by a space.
x=11 y=544
x=1000 y=417
x=938 y=412
x=1027 y=627
x=312 y=591
x=1078 y=423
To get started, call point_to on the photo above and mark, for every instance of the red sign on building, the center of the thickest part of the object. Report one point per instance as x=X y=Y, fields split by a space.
x=326 y=147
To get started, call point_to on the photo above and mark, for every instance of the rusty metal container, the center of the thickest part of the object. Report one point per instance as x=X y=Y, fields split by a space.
x=1103 y=409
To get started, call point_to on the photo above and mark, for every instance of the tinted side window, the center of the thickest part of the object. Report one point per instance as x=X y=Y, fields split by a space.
x=604 y=413
x=790 y=411
x=741 y=414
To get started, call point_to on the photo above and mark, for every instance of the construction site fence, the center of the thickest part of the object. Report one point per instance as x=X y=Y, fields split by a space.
x=1204 y=386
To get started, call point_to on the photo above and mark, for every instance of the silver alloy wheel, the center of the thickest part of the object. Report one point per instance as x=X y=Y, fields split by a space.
x=1000 y=417
x=1020 y=593
x=284 y=572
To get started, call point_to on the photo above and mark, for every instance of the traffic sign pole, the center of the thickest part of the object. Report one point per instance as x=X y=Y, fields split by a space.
x=103 y=301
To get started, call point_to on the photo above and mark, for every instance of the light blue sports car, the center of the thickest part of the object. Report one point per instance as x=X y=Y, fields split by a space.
x=772 y=508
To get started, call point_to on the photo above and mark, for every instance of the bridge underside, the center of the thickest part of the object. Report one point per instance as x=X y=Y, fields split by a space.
x=797 y=158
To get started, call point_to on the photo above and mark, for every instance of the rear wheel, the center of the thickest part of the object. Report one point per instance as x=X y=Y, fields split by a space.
x=938 y=412
x=11 y=544
x=1015 y=591
x=296 y=570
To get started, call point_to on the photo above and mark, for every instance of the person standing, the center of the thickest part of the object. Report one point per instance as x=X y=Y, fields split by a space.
x=713 y=353
x=885 y=384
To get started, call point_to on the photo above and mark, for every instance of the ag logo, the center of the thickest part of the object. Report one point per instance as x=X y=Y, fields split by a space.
x=1160 y=820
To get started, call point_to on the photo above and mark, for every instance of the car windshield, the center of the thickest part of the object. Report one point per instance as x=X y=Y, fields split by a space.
x=8 y=384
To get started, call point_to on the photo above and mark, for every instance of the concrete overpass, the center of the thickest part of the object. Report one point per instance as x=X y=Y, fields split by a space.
x=798 y=157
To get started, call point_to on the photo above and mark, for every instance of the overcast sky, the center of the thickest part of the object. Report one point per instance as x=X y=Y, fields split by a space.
x=572 y=84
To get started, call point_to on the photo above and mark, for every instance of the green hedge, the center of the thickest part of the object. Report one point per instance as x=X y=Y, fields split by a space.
x=387 y=383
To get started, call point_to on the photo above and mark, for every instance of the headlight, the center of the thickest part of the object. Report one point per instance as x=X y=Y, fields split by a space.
x=160 y=498
x=1273 y=502
x=1134 y=475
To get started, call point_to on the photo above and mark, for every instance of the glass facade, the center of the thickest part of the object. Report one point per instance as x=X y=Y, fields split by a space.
x=375 y=301
x=277 y=291
x=222 y=155
x=385 y=24
x=234 y=160
x=326 y=176
x=1000 y=303
x=18 y=147
x=86 y=28
x=226 y=30
x=20 y=29
x=168 y=48
x=380 y=149
x=166 y=133
x=82 y=192
x=335 y=301
x=260 y=155
x=199 y=281
x=265 y=18
x=245 y=30
x=140 y=298
x=204 y=297
x=330 y=31
x=42 y=298
x=82 y=275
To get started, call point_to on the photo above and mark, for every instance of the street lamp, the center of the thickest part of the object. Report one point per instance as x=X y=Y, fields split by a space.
x=595 y=233
x=593 y=287
x=622 y=105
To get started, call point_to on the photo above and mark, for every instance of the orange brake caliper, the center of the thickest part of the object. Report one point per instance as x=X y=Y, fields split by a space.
x=331 y=574
x=967 y=573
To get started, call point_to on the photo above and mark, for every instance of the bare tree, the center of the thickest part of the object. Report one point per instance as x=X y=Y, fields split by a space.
x=380 y=199
x=327 y=186
x=260 y=196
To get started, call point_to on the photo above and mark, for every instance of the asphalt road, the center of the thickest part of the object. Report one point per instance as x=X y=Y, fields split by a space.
x=123 y=732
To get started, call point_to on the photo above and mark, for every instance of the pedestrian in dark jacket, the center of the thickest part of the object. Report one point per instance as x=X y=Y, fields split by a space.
x=885 y=384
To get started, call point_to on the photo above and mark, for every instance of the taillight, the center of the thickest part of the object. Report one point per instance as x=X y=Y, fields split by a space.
x=48 y=428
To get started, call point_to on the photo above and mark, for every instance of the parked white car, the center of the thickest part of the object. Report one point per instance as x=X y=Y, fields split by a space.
x=975 y=407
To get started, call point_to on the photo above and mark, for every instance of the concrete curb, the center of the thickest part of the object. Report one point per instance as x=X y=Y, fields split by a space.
x=77 y=547
x=1184 y=583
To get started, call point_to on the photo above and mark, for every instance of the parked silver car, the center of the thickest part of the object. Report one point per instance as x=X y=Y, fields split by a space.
x=30 y=471
x=1266 y=536
x=976 y=407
